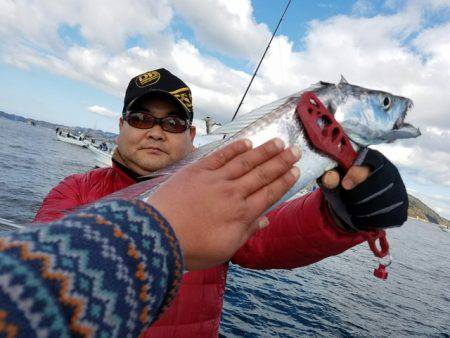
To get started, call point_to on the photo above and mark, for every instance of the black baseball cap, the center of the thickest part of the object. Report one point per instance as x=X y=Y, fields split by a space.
x=159 y=82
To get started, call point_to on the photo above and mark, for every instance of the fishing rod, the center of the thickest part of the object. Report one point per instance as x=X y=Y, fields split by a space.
x=260 y=61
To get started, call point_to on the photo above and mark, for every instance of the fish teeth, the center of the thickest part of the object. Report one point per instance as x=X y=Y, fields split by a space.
x=399 y=122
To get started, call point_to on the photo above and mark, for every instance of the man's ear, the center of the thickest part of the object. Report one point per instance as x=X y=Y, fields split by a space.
x=192 y=132
x=120 y=123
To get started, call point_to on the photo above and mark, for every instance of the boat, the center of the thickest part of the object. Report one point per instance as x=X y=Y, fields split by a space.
x=201 y=140
x=103 y=158
x=66 y=136
x=7 y=225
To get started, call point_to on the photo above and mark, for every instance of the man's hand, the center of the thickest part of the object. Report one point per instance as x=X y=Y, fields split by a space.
x=370 y=196
x=213 y=204
x=355 y=175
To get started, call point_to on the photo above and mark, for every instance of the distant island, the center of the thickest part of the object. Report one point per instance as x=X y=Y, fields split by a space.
x=94 y=133
x=417 y=209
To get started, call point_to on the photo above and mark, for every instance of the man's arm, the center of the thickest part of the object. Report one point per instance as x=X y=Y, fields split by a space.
x=62 y=199
x=371 y=196
x=300 y=232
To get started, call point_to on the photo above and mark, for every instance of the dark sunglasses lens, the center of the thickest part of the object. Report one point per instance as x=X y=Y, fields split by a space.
x=174 y=124
x=140 y=120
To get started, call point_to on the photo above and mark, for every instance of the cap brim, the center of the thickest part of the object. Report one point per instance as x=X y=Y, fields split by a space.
x=163 y=93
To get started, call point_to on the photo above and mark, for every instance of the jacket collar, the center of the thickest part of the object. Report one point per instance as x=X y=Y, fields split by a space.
x=119 y=164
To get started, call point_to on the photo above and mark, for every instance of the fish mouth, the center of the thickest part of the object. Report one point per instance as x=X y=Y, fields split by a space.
x=399 y=123
x=405 y=130
x=402 y=129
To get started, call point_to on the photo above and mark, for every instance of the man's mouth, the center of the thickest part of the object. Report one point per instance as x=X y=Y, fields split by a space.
x=154 y=150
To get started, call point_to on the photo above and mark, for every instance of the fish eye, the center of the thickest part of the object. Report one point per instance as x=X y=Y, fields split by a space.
x=386 y=102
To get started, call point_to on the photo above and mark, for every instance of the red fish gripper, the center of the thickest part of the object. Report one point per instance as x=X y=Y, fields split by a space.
x=324 y=132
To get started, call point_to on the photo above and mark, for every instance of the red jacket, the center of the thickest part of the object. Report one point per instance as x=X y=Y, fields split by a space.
x=301 y=232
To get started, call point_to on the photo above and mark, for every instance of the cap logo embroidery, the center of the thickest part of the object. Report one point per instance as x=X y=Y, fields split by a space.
x=148 y=78
x=183 y=95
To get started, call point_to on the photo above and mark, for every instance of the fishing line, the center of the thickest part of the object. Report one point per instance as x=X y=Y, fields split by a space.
x=260 y=61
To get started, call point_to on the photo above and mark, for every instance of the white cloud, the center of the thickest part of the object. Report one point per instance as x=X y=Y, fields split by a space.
x=423 y=165
x=110 y=23
x=227 y=26
x=101 y=23
x=103 y=111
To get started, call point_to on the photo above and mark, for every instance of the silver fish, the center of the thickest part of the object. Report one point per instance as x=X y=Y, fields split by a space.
x=367 y=116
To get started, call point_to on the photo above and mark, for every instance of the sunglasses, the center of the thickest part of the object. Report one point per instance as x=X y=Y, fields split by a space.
x=144 y=120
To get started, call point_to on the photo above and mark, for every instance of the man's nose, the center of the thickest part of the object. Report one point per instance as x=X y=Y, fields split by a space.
x=156 y=133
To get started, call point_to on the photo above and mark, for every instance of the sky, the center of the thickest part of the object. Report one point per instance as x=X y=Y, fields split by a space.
x=69 y=62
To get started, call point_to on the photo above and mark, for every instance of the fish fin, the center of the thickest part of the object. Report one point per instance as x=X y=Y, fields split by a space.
x=324 y=83
x=247 y=119
x=343 y=80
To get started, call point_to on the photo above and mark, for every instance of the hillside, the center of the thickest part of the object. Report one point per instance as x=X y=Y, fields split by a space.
x=418 y=209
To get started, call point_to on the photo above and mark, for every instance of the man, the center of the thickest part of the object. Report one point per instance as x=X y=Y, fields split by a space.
x=156 y=131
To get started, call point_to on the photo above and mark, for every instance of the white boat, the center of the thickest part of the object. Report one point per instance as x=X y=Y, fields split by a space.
x=102 y=158
x=201 y=140
x=67 y=137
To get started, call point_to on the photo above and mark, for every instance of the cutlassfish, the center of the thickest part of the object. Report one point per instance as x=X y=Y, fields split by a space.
x=367 y=116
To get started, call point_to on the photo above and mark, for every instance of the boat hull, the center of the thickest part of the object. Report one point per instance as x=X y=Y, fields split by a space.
x=103 y=159
x=71 y=140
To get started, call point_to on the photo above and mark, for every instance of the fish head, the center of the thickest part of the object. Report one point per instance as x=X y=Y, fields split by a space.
x=370 y=116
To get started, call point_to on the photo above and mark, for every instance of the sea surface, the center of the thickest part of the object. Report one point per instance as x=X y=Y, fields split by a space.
x=337 y=297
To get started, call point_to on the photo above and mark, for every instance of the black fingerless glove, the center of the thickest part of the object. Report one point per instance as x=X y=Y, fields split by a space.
x=379 y=202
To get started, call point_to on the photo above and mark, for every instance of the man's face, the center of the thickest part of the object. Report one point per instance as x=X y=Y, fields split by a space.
x=148 y=150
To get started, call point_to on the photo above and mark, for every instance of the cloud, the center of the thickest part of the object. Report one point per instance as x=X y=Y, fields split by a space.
x=103 y=111
x=101 y=23
x=227 y=26
x=425 y=166
x=109 y=24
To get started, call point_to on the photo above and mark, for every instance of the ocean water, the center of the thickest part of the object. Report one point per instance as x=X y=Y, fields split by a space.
x=32 y=161
x=337 y=297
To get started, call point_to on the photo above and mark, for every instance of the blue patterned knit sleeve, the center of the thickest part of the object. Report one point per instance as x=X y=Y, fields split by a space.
x=106 y=271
